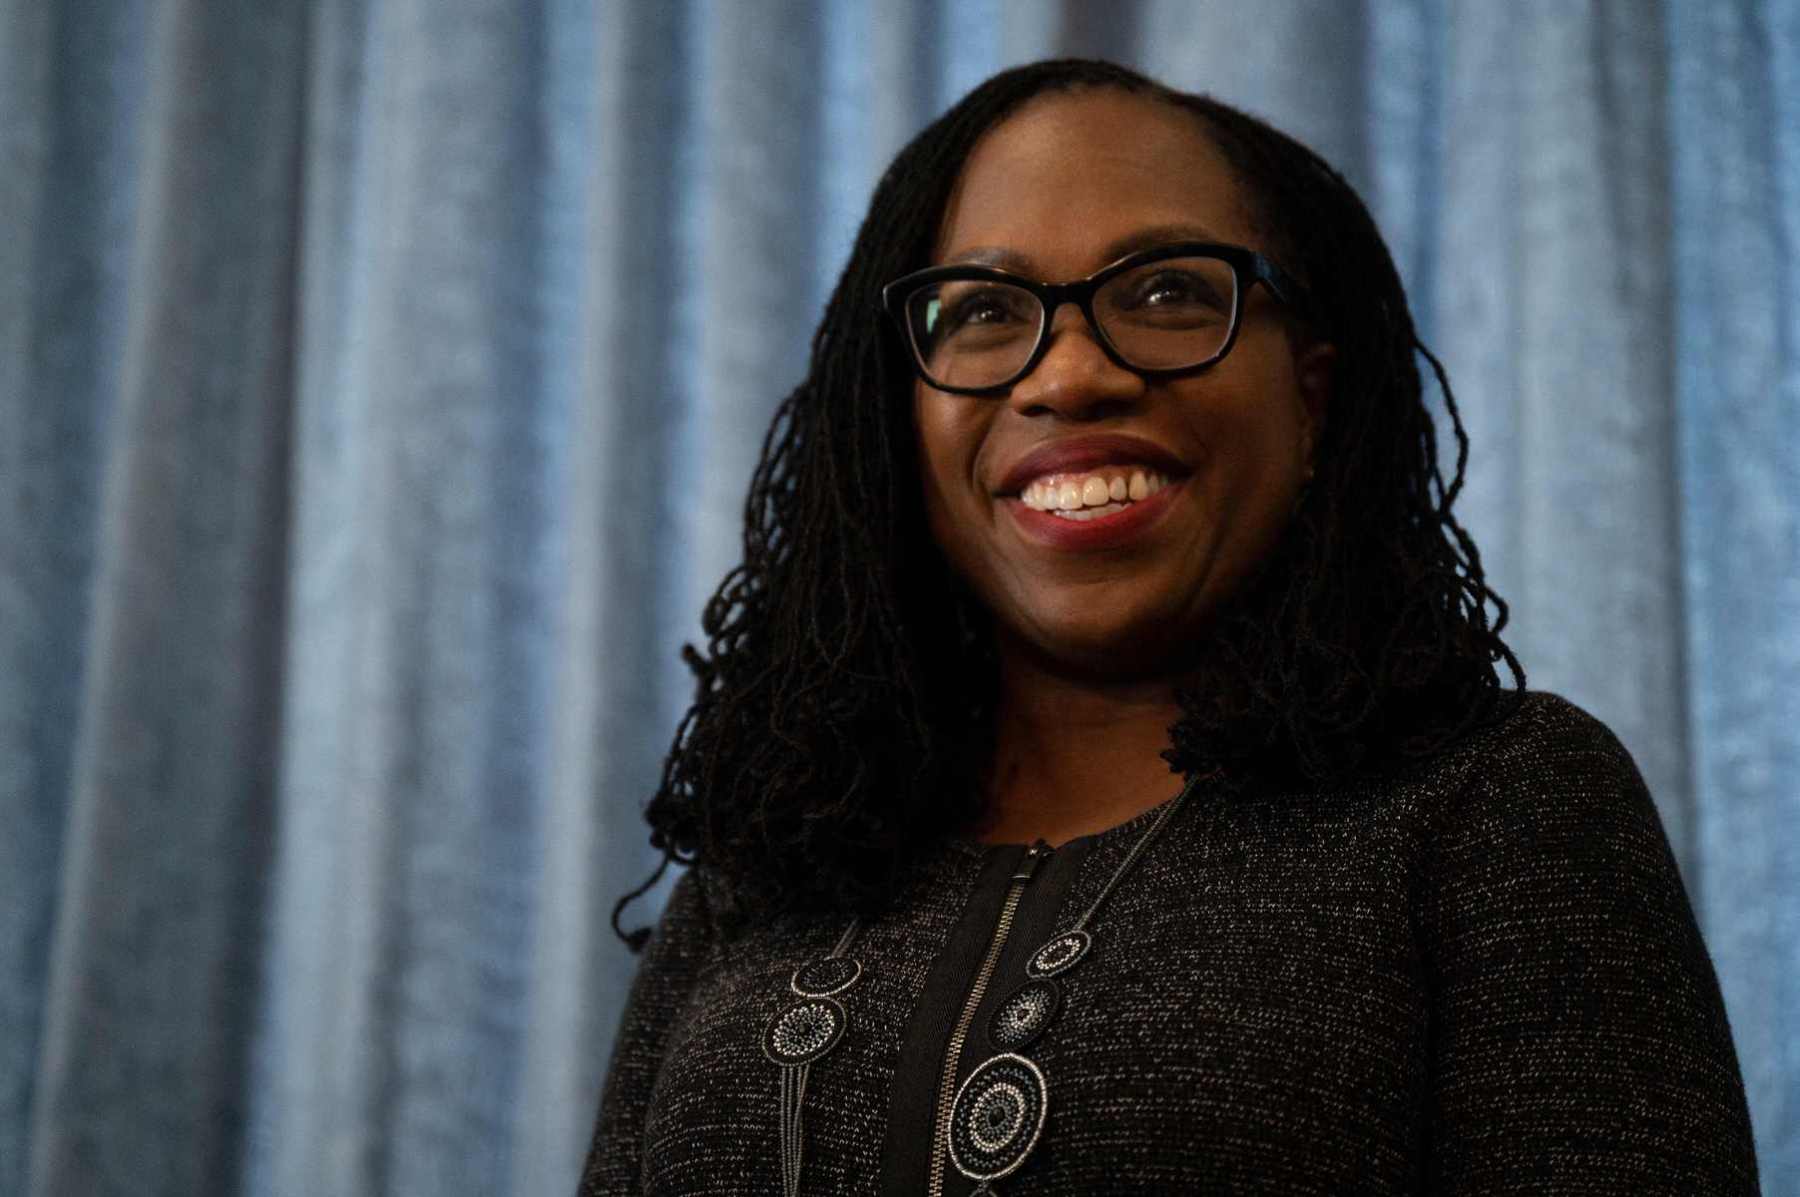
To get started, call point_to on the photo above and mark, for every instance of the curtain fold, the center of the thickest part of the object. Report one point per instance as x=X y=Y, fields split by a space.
x=1734 y=112
x=616 y=695
x=380 y=381
x=1561 y=349
x=68 y=170
x=425 y=564
x=149 y=987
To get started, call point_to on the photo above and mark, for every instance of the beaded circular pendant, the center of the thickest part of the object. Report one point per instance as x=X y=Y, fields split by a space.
x=998 y=1115
x=1059 y=955
x=802 y=1031
x=826 y=977
x=1022 y=1017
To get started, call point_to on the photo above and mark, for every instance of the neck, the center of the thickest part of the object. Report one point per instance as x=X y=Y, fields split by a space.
x=1074 y=755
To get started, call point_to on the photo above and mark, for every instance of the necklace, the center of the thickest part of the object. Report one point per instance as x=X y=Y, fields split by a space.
x=998 y=1113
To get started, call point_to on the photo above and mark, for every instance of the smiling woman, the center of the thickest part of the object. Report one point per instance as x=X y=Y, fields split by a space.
x=1099 y=779
x=1180 y=371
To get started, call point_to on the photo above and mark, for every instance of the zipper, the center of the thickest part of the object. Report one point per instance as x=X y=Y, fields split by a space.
x=940 y=1139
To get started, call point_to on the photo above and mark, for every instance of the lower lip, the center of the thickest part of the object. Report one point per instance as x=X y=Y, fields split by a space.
x=1102 y=532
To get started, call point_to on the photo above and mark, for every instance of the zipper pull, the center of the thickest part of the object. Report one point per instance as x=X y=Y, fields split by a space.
x=1035 y=855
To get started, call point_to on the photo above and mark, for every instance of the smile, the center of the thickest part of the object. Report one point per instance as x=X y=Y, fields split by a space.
x=1093 y=494
x=1110 y=525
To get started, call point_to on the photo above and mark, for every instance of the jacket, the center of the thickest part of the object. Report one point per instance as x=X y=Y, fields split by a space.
x=1481 y=975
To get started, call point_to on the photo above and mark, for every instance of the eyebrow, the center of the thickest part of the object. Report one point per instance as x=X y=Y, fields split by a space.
x=1146 y=238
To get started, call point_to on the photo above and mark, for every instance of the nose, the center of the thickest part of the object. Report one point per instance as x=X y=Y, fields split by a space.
x=1075 y=379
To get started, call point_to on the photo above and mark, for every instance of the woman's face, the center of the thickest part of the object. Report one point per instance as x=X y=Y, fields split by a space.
x=1067 y=185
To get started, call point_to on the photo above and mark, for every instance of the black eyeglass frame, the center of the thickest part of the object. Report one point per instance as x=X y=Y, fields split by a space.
x=1248 y=268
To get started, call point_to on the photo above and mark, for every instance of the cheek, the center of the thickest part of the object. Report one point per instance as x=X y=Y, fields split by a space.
x=948 y=438
x=932 y=444
x=946 y=442
x=1258 y=422
x=927 y=443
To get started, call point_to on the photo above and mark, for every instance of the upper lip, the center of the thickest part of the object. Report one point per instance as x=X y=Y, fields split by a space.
x=1085 y=453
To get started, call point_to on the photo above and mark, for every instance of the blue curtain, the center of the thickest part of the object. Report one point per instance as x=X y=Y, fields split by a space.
x=379 y=385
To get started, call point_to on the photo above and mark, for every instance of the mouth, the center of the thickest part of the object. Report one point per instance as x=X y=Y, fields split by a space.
x=1092 y=494
x=1108 y=525
x=1102 y=467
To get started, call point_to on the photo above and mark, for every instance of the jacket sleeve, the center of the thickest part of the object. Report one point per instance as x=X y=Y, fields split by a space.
x=1579 y=1041
x=672 y=960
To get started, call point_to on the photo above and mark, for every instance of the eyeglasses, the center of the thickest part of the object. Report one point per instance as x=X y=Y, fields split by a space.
x=1164 y=312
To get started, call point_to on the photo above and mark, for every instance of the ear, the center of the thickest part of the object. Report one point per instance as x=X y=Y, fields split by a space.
x=1315 y=369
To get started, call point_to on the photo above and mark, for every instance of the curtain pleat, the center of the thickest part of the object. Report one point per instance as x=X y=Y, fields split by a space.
x=615 y=690
x=69 y=165
x=149 y=993
x=1734 y=114
x=380 y=382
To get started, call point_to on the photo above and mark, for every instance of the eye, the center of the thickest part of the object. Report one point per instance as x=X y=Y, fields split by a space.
x=1174 y=288
x=1177 y=294
x=983 y=306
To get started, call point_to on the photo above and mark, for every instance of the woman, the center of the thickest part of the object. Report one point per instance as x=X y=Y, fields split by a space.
x=1099 y=780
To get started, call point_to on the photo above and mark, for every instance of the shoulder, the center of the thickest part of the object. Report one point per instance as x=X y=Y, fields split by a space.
x=685 y=930
x=1525 y=724
x=1565 y=966
x=1548 y=761
x=1547 y=728
x=1532 y=743
x=1535 y=754
x=1547 y=812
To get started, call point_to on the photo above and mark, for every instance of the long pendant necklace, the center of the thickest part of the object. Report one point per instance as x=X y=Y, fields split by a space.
x=803 y=1031
x=999 y=1111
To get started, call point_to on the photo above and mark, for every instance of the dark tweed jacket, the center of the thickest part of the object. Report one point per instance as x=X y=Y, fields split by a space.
x=1484 y=977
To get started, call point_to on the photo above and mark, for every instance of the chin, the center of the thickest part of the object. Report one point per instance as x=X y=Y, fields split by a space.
x=1153 y=646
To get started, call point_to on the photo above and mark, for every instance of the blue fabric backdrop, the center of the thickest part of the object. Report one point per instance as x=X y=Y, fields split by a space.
x=379 y=383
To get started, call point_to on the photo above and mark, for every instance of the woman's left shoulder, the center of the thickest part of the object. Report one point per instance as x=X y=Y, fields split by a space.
x=1566 y=966
x=1547 y=814
x=1546 y=752
x=1542 y=722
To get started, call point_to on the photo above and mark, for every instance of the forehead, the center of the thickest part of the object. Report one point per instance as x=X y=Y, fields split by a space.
x=1070 y=174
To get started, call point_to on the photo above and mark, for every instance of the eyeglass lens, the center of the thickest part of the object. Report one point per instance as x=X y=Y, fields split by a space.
x=1163 y=315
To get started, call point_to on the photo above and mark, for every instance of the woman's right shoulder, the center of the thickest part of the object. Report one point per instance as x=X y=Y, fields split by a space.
x=685 y=927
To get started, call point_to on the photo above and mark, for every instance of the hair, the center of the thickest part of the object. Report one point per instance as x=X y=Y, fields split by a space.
x=844 y=701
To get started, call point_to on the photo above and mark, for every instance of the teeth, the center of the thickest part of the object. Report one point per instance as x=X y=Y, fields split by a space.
x=1089 y=513
x=1082 y=496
